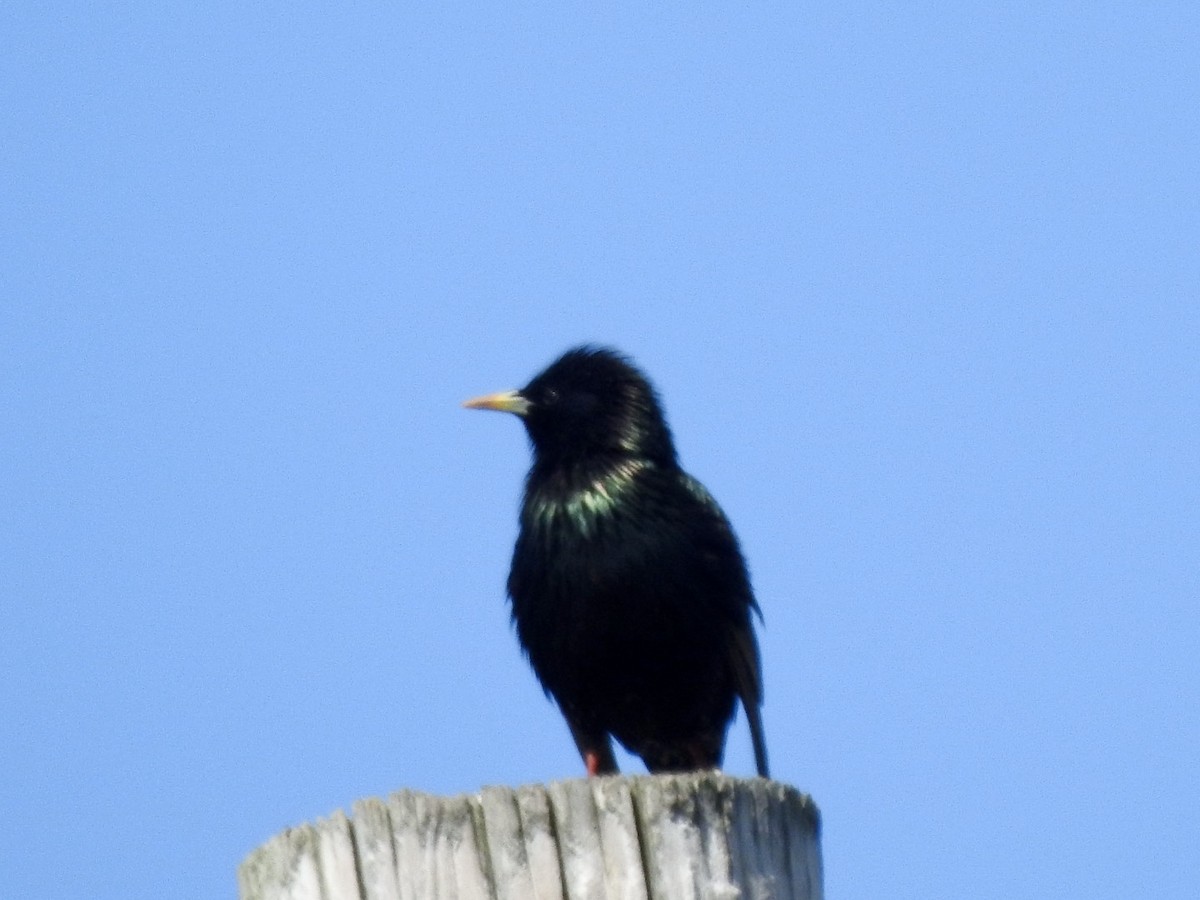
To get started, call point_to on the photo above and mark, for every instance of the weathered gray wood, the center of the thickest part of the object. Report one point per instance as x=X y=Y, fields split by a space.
x=699 y=836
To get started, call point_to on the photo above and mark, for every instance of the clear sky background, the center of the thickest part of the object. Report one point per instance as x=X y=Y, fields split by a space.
x=920 y=286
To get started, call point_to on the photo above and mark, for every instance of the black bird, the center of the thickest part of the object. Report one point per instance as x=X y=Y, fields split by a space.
x=629 y=592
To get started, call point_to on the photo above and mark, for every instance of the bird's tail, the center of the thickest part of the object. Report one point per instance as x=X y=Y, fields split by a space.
x=754 y=717
x=747 y=679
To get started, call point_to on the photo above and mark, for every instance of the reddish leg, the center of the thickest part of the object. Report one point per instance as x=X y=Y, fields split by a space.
x=596 y=750
x=592 y=760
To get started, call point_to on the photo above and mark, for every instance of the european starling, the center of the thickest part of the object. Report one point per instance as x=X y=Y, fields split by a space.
x=629 y=592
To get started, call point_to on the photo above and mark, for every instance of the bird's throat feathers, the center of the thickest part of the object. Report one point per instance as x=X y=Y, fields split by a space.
x=580 y=496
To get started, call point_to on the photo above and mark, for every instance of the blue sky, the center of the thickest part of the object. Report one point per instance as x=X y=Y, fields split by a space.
x=919 y=285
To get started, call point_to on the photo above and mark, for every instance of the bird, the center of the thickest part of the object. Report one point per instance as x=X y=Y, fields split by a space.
x=629 y=592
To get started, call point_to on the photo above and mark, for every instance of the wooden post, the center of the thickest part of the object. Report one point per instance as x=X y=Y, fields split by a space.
x=662 y=837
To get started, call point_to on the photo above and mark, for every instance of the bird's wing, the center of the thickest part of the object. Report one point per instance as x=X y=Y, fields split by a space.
x=742 y=648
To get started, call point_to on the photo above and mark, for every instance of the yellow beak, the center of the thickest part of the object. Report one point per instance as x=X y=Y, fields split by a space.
x=506 y=401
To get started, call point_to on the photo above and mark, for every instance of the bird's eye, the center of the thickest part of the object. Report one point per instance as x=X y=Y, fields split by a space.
x=550 y=397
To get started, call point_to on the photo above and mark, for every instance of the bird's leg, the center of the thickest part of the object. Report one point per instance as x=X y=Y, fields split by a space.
x=596 y=750
x=591 y=759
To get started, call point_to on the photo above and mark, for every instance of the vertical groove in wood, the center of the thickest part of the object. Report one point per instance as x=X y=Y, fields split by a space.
x=667 y=837
x=460 y=836
x=413 y=830
x=506 y=849
x=541 y=843
x=620 y=845
x=336 y=859
x=757 y=858
x=576 y=827
x=376 y=851
x=304 y=880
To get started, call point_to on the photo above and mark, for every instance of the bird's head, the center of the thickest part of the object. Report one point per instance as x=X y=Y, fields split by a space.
x=591 y=401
